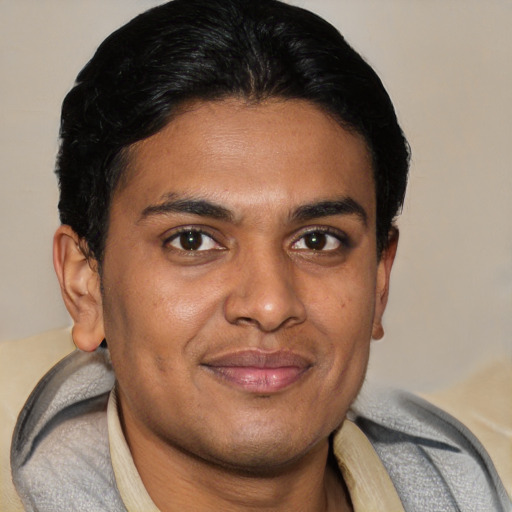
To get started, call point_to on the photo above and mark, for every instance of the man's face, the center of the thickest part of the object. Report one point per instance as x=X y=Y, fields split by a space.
x=241 y=281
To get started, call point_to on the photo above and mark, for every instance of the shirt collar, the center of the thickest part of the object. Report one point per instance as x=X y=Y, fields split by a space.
x=130 y=486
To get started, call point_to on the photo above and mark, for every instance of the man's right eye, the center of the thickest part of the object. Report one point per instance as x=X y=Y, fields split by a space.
x=192 y=240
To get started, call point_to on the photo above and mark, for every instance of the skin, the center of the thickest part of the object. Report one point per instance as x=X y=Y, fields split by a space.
x=262 y=278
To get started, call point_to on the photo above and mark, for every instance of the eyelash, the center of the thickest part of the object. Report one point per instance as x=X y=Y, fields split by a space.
x=188 y=229
x=340 y=236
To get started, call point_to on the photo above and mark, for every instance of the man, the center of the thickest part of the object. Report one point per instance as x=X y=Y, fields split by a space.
x=229 y=174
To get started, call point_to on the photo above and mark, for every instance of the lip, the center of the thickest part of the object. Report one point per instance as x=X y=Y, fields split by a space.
x=258 y=371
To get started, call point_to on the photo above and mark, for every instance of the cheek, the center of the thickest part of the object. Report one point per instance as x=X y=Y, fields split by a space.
x=343 y=304
x=152 y=305
x=342 y=311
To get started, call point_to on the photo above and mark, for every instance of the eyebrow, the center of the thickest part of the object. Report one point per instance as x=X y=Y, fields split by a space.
x=204 y=208
x=342 y=206
x=200 y=207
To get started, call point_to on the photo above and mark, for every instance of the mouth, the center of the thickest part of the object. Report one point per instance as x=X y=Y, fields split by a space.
x=257 y=371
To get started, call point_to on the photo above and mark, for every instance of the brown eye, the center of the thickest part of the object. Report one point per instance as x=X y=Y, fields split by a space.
x=315 y=241
x=192 y=240
x=319 y=241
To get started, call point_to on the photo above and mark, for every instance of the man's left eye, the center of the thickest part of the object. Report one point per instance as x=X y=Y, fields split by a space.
x=192 y=240
x=317 y=241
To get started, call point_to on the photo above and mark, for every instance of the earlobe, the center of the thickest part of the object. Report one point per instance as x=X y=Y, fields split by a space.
x=382 y=286
x=80 y=287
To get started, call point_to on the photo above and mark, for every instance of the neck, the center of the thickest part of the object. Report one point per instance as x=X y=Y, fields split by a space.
x=177 y=480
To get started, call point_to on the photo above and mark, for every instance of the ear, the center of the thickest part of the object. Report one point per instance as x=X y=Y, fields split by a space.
x=80 y=286
x=382 y=286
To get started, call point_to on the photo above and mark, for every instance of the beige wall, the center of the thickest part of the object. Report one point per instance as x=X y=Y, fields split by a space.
x=447 y=66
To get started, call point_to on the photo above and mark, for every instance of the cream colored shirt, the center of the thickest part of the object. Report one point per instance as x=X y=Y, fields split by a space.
x=368 y=483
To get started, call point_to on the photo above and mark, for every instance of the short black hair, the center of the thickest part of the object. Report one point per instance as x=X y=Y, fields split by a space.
x=188 y=50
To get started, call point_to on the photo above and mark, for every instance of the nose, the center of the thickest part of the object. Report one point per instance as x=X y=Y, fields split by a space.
x=264 y=293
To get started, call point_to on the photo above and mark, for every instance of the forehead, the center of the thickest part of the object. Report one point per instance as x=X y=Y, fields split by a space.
x=272 y=153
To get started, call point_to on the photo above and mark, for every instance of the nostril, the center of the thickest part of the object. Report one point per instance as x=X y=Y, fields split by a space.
x=244 y=320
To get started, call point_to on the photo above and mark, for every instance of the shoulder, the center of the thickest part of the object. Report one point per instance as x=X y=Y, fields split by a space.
x=22 y=364
x=434 y=461
x=60 y=444
x=483 y=403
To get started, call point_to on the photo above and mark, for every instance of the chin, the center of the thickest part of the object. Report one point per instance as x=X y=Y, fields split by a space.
x=260 y=462
x=267 y=453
